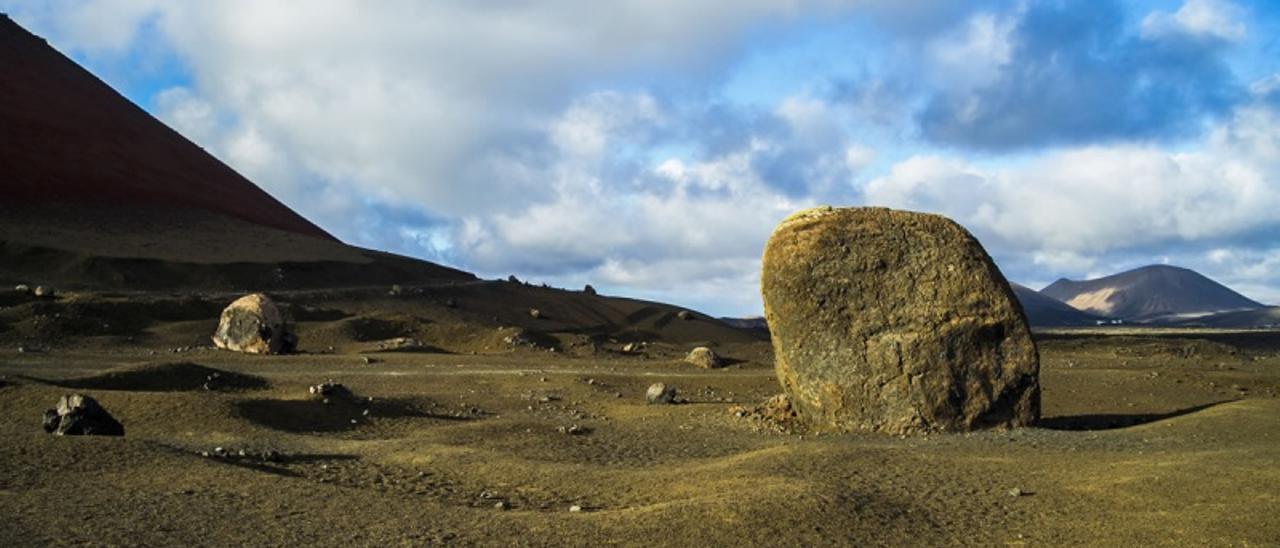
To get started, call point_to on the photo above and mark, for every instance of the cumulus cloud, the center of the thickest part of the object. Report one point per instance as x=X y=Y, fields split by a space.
x=696 y=220
x=1078 y=209
x=1202 y=18
x=531 y=138
x=1054 y=73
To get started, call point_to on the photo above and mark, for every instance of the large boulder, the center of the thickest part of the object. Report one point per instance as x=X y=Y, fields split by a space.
x=80 y=415
x=895 y=321
x=704 y=357
x=253 y=324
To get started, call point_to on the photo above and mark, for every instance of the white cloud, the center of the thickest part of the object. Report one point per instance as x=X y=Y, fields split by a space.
x=972 y=55
x=514 y=137
x=1206 y=18
x=1085 y=209
x=668 y=222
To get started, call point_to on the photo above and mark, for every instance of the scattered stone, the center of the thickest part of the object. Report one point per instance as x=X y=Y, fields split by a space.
x=589 y=290
x=897 y=322
x=513 y=279
x=451 y=303
x=253 y=324
x=633 y=347
x=330 y=389
x=499 y=505
x=22 y=288
x=400 y=343
x=659 y=394
x=776 y=412
x=575 y=508
x=703 y=357
x=1017 y=492
x=395 y=290
x=572 y=430
x=44 y=292
x=80 y=415
x=535 y=313
x=684 y=315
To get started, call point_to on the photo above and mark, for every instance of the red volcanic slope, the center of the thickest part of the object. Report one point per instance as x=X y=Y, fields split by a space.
x=67 y=137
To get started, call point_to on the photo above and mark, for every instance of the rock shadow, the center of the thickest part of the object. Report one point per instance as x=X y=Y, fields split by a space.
x=315 y=416
x=1115 y=421
x=166 y=377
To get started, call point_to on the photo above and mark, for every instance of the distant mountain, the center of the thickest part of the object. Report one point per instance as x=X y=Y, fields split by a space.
x=1151 y=293
x=757 y=322
x=1260 y=318
x=1045 y=311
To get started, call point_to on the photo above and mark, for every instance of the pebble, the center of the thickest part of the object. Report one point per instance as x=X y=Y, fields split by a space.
x=1016 y=492
x=575 y=508
x=500 y=505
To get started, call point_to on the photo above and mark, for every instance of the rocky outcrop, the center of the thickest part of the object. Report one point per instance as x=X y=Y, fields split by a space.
x=80 y=415
x=253 y=324
x=895 y=321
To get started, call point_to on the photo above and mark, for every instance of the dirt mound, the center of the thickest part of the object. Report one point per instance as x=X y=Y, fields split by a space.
x=895 y=321
x=372 y=327
x=167 y=377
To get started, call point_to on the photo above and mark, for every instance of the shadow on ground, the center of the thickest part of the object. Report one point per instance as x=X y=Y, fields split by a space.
x=1114 y=421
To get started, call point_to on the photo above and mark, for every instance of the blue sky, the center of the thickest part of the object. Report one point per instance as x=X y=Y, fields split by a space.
x=649 y=147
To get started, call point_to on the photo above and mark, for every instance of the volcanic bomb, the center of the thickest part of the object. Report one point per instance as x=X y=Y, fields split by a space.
x=897 y=322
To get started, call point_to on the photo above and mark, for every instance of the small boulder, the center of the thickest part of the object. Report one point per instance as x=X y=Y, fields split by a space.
x=704 y=357
x=684 y=314
x=895 y=321
x=22 y=288
x=330 y=389
x=253 y=324
x=589 y=290
x=535 y=313
x=80 y=415
x=513 y=279
x=660 y=393
x=633 y=347
x=401 y=343
x=44 y=292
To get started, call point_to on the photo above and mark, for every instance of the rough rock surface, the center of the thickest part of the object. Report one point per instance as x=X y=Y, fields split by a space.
x=253 y=324
x=660 y=393
x=895 y=321
x=704 y=357
x=80 y=415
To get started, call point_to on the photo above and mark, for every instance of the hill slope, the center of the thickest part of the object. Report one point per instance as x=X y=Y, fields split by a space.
x=67 y=137
x=1150 y=293
x=1044 y=311
x=96 y=193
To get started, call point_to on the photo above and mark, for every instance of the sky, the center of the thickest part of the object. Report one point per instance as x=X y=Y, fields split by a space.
x=649 y=147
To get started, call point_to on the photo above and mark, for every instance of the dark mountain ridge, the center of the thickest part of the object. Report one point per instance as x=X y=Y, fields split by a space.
x=1150 y=293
